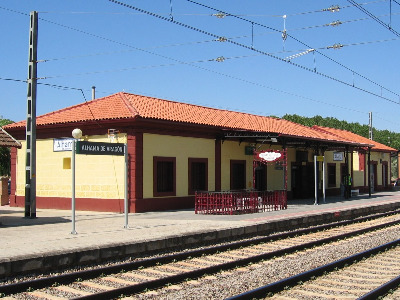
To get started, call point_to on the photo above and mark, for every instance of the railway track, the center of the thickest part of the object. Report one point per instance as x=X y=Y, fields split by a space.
x=146 y=275
x=367 y=275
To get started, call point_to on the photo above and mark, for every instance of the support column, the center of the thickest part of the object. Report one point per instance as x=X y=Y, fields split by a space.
x=135 y=169
x=218 y=147
x=13 y=196
x=346 y=176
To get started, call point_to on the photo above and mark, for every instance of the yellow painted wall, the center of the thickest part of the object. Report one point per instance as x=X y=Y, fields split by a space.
x=358 y=175
x=96 y=176
x=275 y=177
x=231 y=150
x=182 y=148
x=381 y=157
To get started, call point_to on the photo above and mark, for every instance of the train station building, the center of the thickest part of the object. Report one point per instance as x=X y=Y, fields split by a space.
x=175 y=149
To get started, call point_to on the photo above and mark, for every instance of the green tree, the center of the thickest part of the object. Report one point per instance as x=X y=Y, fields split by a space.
x=5 y=158
x=386 y=137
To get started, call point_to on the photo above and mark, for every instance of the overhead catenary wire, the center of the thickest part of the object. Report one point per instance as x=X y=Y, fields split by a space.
x=308 y=47
x=59 y=86
x=371 y=15
x=218 y=59
x=263 y=52
x=205 y=41
x=329 y=9
x=62 y=87
x=216 y=36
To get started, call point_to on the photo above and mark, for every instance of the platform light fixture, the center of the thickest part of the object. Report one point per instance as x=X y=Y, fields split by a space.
x=76 y=133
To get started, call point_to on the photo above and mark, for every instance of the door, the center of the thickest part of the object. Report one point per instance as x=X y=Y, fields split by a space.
x=261 y=177
x=302 y=180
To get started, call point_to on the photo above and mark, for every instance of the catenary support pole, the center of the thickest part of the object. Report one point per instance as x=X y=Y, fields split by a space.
x=30 y=162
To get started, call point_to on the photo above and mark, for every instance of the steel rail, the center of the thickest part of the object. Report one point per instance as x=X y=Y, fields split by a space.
x=157 y=283
x=280 y=285
x=67 y=278
x=382 y=290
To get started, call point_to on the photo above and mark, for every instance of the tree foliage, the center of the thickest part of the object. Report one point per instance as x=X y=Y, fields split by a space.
x=5 y=159
x=386 y=137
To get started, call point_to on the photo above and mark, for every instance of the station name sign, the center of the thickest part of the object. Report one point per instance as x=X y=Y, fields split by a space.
x=97 y=148
x=62 y=145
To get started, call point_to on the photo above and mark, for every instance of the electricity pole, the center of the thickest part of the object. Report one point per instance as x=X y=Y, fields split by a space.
x=30 y=163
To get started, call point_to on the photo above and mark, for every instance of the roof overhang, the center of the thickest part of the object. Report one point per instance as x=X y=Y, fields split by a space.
x=6 y=140
x=293 y=141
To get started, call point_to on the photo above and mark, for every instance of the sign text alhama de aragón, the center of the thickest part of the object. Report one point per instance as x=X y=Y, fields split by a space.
x=96 y=148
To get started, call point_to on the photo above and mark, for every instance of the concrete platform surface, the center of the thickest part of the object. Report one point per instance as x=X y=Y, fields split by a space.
x=28 y=244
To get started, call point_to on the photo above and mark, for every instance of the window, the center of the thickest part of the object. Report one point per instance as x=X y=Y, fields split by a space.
x=164 y=176
x=331 y=175
x=198 y=175
x=238 y=174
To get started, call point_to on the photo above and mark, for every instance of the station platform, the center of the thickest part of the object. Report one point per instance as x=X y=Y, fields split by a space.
x=46 y=242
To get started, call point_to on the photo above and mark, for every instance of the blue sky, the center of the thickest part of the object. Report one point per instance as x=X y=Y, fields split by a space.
x=116 y=48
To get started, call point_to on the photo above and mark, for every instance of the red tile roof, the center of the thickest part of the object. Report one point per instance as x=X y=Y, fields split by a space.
x=6 y=140
x=354 y=137
x=130 y=106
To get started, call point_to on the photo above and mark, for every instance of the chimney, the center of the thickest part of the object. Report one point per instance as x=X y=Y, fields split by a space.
x=93 y=92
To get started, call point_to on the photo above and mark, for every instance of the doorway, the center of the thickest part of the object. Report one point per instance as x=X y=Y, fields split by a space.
x=260 y=174
x=302 y=180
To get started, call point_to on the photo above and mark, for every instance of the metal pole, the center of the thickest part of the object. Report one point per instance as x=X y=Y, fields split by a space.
x=73 y=186
x=126 y=186
x=30 y=162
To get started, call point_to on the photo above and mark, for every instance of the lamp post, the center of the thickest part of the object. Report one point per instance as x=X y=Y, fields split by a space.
x=76 y=134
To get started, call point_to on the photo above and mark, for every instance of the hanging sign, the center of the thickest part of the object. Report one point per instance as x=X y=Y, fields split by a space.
x=338 y=156
x=269 y=156
x=96 y=148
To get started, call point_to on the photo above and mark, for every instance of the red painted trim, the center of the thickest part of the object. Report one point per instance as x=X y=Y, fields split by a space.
x=191 y=160
x=84 y=204
x=157 y=159
x=385 y=184
x=13 y=154
x=331 y=165
x=242 y=162
x=217 y=164
x=352 y=168
x=165 y=203
x=135 y=168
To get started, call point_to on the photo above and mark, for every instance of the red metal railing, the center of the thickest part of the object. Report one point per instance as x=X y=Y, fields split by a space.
x=239 y=202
